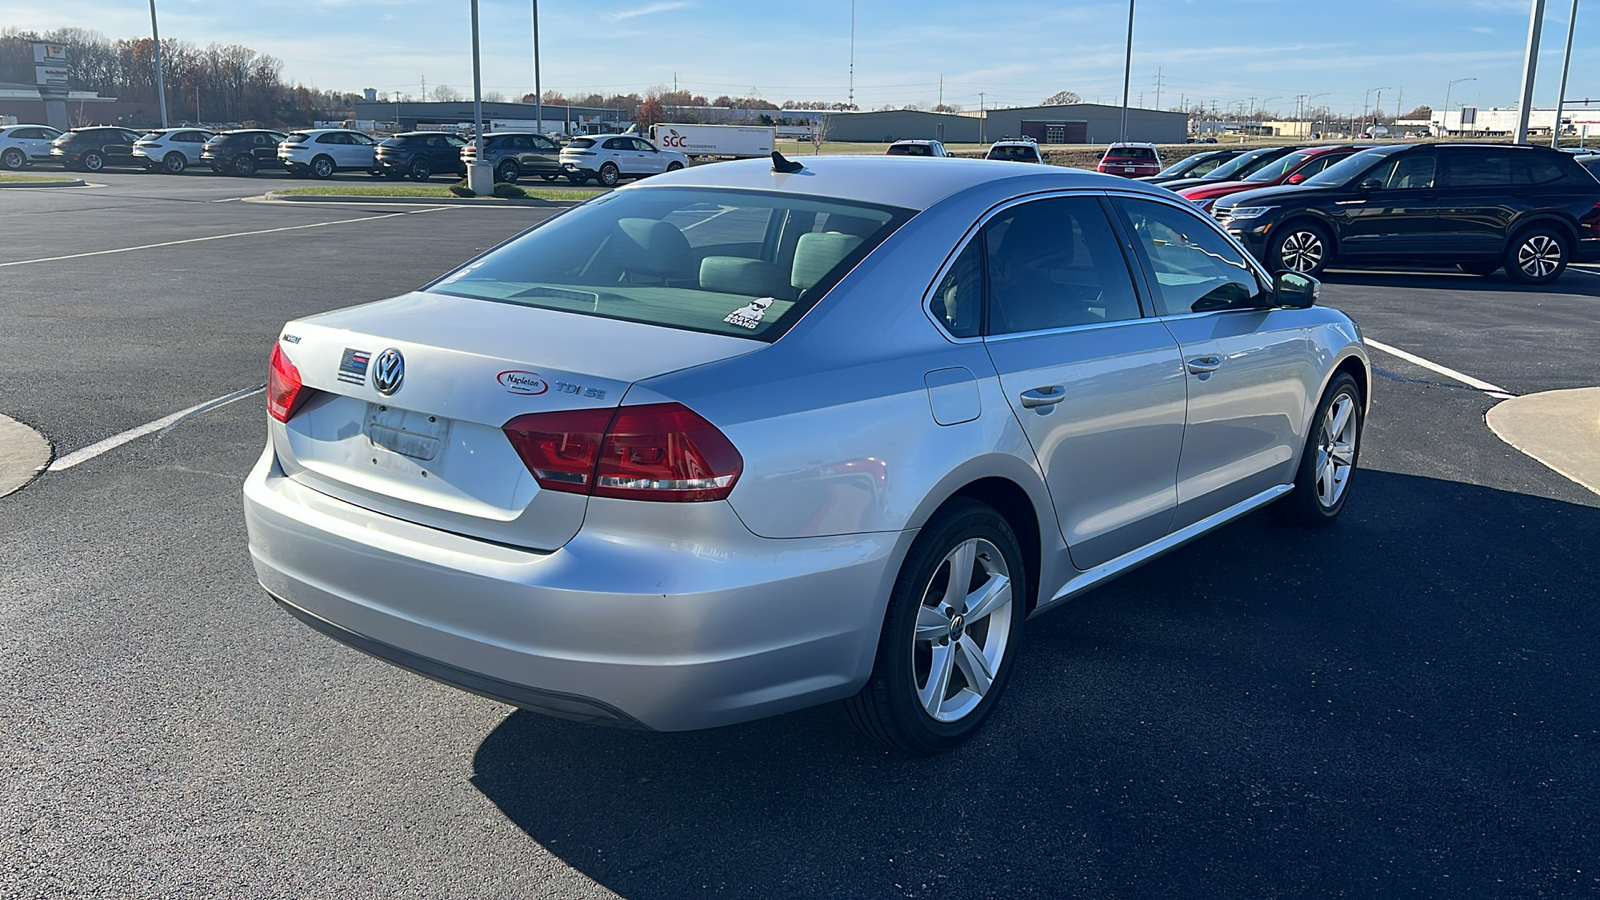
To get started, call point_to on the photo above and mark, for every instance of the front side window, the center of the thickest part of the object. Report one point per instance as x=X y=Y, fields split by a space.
x=1410 y=171
x=1054 y=264
x=359 y=138
x=1196 y=269
x=740 y=263
x=542 y=143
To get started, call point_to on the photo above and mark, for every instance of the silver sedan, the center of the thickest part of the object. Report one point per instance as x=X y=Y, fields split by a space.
x=752 y=437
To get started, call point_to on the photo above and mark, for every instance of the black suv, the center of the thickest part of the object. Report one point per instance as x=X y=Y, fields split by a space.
x=1531 y=210
x=92 y=149
x=243 y=152
x=515 y=154
x=420 y=154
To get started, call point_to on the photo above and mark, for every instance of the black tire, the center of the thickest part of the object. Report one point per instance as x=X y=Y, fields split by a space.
x=889 y=708
x=1302 y=247
x=244 y=165
x=13 y=159
x=322 y=167
x=610 y=174
x=421 y=169
x=578 y=179
x=551 y=178
x=174 y=163
x=1479 y=267
x=1308 y=504
x=674 y=166
x=93 y=162
x=1537 y=254
x=375 y=173
x=508 y=171
x=393 y=174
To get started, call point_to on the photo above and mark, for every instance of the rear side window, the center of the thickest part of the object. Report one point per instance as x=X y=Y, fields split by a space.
x=1471 y=168
x=1054 y=264
x=958 y=300
x=741 y=263
x=1544 y=168
x=1195 y=268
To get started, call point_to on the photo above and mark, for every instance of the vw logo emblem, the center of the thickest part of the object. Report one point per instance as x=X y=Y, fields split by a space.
x=388 y=371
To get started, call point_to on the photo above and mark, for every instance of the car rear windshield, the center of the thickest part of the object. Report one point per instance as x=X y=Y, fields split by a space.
x=1280 y=166
x=741 y=263
x=910 y=150
x=1026 y=154
x=582 y=143
x=298 y=137
x=1142 y=154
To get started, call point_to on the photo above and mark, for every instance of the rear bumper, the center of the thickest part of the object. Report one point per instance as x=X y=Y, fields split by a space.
x=666 y=616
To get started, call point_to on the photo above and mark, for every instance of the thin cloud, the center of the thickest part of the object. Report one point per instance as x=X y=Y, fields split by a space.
x=645 y=11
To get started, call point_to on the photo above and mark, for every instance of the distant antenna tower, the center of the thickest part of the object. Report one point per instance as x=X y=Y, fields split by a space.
x=852 y=98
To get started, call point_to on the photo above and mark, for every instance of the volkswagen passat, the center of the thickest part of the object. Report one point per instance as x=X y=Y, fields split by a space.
x=744 y=439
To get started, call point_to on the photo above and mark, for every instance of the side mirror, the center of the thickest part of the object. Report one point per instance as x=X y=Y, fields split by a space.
x=1370 y=185
x=1296 y=178
x=1292 y=290
x=1045 y=154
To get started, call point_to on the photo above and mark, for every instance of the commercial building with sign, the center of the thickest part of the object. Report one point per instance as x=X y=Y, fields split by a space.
x=1085 y=123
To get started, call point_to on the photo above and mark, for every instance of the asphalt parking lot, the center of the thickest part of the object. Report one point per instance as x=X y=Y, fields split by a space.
x=1402 y=705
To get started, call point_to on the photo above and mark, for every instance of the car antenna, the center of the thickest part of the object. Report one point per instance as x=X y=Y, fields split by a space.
x=779 y=164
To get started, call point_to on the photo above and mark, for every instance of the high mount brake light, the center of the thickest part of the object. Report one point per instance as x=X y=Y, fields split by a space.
x=285 y=391
x=659 y=451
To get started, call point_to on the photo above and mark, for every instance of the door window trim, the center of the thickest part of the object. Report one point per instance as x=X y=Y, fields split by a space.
x=975 y=233
x=1148 y=277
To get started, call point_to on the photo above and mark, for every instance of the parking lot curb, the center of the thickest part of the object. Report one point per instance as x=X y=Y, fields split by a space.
x=65 y=182
x=1560 y=429
x=23 y=455
x=276 y=196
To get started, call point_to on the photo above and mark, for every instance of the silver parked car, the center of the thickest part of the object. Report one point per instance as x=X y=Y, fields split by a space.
x=743 y=439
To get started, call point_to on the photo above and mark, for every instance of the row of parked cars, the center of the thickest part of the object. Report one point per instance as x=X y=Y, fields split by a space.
x=320 y=153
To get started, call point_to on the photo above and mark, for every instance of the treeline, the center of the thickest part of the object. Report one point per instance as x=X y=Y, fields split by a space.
x=630 y=103
x=217 y=83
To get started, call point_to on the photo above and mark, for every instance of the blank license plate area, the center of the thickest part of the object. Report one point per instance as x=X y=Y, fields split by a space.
x=408 y=433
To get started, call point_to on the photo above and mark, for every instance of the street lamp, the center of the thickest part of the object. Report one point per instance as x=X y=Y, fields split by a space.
x=480 y=177
x=1561 y=95
x=1368 y=94
x=1447 y=102
x=538 y=92
x=1127 y=72
x=161 y=89
x=1305 y=109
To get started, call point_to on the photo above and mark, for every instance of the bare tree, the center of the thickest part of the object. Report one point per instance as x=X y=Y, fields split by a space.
x=817 y=132
x=444 y=93
x=1062 y=98
x=493 y=97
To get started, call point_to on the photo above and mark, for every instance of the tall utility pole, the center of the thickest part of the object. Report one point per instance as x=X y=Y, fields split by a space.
x=1127 y=72
x=852 y=98
x=161 y=88
x=1158 y=87
x=1529 y=63
x=981 y=117
x=538 y=91
x=1561 y=95
x=941 y=89
x=479 y=178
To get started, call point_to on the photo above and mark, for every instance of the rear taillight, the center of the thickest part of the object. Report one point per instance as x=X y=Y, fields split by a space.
x=284 y=388
x=660 y=451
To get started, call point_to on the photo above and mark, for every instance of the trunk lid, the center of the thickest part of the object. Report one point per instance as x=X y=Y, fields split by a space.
x=431 y=451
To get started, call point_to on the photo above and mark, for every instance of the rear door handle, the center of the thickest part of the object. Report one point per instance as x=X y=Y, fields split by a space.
x=1045 y=396
x=1203 y=364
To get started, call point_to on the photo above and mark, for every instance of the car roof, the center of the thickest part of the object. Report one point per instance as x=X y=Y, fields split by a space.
x=1132 y=144
x=915 y=141
x=888 y=180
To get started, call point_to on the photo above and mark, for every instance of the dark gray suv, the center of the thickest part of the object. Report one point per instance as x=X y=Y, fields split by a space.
x=515 y=155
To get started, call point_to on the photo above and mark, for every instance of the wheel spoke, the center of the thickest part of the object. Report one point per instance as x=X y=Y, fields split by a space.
x=1343 y=453
x=975 y=666
x=1325 y=481
x=961 y=560
x=1340 y=418
x=932 y=694
x=931 y=624
x=995 y=593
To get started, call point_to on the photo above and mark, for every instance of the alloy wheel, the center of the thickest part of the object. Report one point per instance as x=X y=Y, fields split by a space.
x=92 y=162
x=1302 y=251
x=1539 y=256
x=962 y=630
x=13 y=159
x=1336 y=449
x=322 y=167
x=175 y=163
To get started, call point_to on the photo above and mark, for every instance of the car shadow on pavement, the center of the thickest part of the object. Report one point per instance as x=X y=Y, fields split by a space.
x=1584 y=282
x=1403 y=703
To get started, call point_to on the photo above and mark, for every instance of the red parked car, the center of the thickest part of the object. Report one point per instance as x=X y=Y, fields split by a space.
x=1130 y=160
x=1291 y=168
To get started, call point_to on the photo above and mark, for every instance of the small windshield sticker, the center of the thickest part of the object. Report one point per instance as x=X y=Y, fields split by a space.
x=751 y=315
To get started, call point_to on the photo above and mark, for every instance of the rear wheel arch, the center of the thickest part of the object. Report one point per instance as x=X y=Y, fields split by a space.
x=1568 y=228
x=1018 y=509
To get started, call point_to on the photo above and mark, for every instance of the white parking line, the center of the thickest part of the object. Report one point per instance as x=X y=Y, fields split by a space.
x=1492 y=390
x=217 y=237
x=62 y=463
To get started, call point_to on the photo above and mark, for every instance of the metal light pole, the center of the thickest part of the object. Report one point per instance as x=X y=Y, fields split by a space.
x=1561 y=95
x=1367 y=95
x=1529 y=63
x=1127 y=73
x=981 y=116
x=1447 y=88
x=480 y=178
x=161 y=87
x=851 y=99
x=538 y=92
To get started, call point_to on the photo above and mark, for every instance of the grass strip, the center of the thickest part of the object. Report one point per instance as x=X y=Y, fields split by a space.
x=426 y=191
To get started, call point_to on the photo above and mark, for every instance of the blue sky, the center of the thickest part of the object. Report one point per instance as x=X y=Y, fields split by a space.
x=1016 y=53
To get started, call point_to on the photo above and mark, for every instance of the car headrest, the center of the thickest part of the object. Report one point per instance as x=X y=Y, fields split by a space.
x=739 y=275
x=816 y=254
x=652 y=247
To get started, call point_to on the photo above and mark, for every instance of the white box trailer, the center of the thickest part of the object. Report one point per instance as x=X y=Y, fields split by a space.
x=734 y=141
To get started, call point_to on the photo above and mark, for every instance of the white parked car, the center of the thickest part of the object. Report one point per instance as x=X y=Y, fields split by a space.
x=324 y=151
x=172 y=150
x=25 y=145
x=609 y=158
